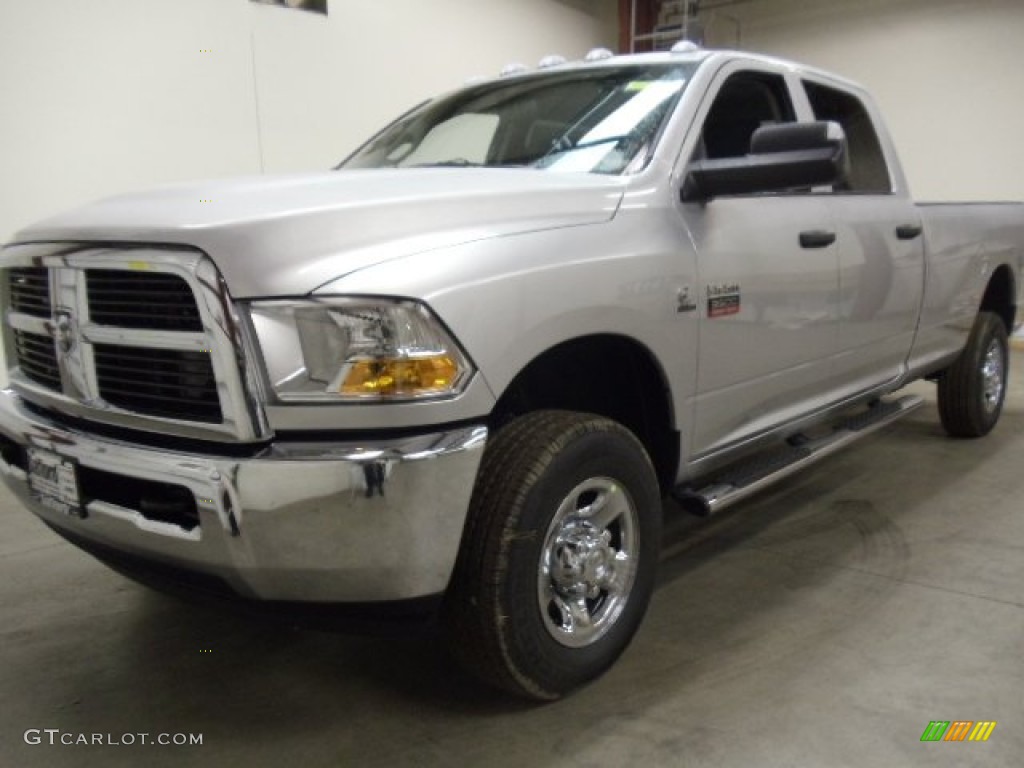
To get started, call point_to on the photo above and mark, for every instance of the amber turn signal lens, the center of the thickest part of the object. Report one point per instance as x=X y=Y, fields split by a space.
x=407 y=377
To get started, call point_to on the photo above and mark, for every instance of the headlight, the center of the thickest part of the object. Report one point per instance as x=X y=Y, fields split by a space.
x=357 y=349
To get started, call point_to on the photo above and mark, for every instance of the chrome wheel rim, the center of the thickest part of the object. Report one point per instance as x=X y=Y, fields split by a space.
x=588 y=562
x=992 y=376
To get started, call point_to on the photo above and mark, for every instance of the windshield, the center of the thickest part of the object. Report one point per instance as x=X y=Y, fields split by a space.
x=599 y=120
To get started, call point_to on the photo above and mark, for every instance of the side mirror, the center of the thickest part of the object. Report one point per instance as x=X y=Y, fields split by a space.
x=786 y=156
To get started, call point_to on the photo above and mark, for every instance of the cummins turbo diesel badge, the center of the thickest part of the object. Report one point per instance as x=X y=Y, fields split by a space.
x=723 y=300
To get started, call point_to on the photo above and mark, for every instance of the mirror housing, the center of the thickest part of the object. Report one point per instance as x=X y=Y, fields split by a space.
x=782 y=157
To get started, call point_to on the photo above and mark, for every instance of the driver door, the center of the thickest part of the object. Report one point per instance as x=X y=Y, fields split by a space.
x=768 y=271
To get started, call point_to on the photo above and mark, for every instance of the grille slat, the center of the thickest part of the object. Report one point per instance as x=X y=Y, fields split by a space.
x=37 y=356
x=113 y=300
x=154 y=320
x=128 y=370
x=170 y=357
x=133 y=377
x=133 y=307
x=33 y=291
x=150 y=285
x=32 y=341
x=37 y=359
x=149 y=396
x=30 y=290
x=178 y=384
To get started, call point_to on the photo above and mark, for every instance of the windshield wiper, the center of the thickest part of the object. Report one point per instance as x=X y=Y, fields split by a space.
x=455 y=162
x=591 y=143
x=560 y=148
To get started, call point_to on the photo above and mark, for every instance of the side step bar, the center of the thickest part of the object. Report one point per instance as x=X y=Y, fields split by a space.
x=747 y=478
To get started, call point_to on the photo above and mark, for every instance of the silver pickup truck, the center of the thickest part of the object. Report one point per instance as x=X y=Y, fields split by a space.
x=461 y=372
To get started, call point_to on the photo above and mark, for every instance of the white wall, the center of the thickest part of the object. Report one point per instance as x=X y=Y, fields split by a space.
x=99 y=96
x=945 y=72
x=103 y=96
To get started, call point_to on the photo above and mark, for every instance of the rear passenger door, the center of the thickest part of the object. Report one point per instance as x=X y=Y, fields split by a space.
x=881 y=251
x=768 y=277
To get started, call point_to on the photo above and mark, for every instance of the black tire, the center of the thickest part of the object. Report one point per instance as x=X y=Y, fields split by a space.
x=972 y=389
x=541 y=476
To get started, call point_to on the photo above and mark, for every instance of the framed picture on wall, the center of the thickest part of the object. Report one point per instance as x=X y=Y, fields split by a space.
x=317 y=6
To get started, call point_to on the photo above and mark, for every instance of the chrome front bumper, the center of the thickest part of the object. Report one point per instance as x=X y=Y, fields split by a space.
x=318 y=522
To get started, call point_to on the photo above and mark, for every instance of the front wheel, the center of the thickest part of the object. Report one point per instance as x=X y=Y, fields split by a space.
x=559 y=554
x=972 y=389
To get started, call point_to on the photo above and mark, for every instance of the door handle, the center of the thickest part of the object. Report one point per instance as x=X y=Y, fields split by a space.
x=817 y=238
x=908 y=231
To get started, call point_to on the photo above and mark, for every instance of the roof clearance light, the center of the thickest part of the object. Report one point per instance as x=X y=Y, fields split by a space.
x=554 y=60
x=512 y=69
x=685 y=46
x=598 y=54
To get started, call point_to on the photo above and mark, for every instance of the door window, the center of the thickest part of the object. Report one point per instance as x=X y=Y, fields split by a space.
x=869 y=173
x=746 y=101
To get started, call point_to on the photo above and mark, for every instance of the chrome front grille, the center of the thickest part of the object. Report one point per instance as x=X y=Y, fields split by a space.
x=171 y=383
x=144 y=338
x=37 y=358
x=155 y=300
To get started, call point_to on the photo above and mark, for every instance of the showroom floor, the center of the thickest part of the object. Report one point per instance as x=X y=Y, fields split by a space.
x=825 y=623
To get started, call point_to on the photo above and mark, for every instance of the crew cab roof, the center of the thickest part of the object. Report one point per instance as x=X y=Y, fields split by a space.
x=697 y=55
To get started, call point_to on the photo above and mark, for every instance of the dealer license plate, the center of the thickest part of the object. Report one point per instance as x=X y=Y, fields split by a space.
x=54 y=482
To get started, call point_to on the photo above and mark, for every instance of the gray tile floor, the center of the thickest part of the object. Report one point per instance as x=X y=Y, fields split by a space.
x=824 y=623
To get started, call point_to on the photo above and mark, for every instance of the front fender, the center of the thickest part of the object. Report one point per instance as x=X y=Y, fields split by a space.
x=510 y=299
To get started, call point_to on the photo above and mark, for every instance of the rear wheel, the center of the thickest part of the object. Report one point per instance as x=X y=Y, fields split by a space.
x=558 y=559
x=972 y=389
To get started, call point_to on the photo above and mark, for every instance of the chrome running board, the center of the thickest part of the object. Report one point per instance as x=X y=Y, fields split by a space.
x=756 y=473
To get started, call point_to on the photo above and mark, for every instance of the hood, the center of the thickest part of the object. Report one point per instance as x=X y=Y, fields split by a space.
x=287 y=235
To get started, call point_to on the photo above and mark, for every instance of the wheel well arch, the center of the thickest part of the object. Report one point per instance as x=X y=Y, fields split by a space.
x=1000 y=296
x=610 y=375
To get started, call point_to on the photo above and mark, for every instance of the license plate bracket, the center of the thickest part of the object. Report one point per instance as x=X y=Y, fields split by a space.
x=53 y=480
